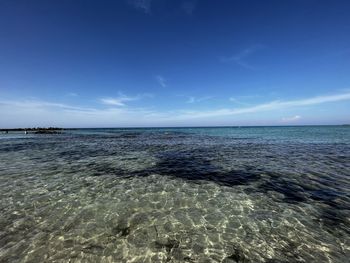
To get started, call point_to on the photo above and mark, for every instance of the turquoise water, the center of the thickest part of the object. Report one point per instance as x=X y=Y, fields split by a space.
x=249 y=194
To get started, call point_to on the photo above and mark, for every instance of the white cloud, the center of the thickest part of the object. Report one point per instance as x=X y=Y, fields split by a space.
x=161 y=81
x=26 y=113
x=291 y=119
x=191 y=100
x=116 y=101
x=240 y=57
x=195 y=100
x=121 y=99
x=143 y=5
x=36 y=104
x=111 y=101
x=237 y=101
x=273 y=105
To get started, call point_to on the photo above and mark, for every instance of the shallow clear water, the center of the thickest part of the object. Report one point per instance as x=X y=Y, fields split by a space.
x=267 y=194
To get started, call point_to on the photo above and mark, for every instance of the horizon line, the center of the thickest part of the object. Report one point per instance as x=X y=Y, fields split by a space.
x=172 y=127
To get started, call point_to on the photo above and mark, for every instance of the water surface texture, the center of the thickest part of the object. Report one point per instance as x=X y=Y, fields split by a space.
x=265 y=194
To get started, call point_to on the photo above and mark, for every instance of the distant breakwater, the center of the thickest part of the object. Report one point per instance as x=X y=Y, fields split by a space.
x=37 y=130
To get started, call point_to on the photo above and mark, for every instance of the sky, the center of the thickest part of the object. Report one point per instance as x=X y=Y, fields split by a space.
x=146 y=63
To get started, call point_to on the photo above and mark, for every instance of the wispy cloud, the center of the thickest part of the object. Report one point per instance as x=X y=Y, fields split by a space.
x=37 y=104
x=33 y=113
x=273 y=105
x=122 y=99
x=36 y=112
x=291 y=119
x=192 y=99
x=189 y=6
x=72 y=94
x=143 y=5
x=237 y=101
x=240 y=57
x=161 y=81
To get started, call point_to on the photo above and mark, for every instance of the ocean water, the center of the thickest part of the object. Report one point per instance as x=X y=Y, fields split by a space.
x=250 y=194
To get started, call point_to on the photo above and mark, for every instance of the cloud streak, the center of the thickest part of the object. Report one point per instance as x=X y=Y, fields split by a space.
x=192 y=99
x=42 y=113
x=122 y=99
x=119 y=101
x=143 y=5
x=161 y=81
x=291 y=119
x=240 y=57
x=237 y=101
x=273 y=105
x=34 y=113
x=38 y=104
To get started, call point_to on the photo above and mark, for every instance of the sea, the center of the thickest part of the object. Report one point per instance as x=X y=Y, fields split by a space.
x=208 y=194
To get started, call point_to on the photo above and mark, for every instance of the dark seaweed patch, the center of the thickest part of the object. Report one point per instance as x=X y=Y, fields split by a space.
x=292 y=193
x=331 y=216
x=239 y=177
x=236 y=256
x=168 y=244
x=328 y=196
x=121 y=230
x=93 y=248
x=191 y=167
x=188 y=259
x=335 y=210
x=196 y=165
x=334 y=219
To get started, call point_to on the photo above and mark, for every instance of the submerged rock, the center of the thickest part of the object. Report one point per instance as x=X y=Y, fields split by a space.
x=121 y=230
x=168 y=244
x=237 y=256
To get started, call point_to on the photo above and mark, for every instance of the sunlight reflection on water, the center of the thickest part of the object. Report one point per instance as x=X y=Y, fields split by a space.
x=173 y=196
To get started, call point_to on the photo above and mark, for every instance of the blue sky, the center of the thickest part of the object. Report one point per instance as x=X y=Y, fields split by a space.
x=83 y=63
